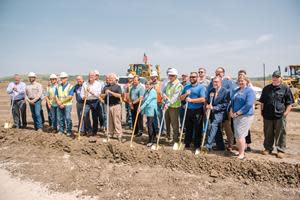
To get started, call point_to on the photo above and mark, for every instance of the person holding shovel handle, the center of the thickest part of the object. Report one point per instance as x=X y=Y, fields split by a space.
x=115 y=92
x=218 y=99
x=51 y=102
x=194 y=94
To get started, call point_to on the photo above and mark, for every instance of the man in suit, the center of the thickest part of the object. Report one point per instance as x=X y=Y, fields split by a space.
x=220 y=98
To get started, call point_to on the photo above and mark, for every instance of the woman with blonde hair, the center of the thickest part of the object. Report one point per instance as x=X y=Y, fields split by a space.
x=242 y=112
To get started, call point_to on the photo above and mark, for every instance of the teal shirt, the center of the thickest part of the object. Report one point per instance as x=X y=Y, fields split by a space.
x=149 y=104
x=136 y=92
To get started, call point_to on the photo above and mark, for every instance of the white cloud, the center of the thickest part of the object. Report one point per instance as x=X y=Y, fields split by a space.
x=264 y=38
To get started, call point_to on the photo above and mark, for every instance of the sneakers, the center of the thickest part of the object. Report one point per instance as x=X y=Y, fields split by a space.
x=280 y=155
x=197 y=152
x=266 y=152
x=175 y=146
x=149 y=144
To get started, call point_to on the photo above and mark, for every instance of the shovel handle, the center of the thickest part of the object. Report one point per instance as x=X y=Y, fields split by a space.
x=135 y=121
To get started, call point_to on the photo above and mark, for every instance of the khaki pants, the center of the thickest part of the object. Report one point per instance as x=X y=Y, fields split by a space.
x=275 y=132
x=115 y=125
x=228 y=130
x=172 y=118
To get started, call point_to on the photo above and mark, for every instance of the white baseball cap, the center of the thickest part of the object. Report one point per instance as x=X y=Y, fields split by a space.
x=53 y=76
x=63 y=75
x=154 y=73
x=173 y=71
x=31 y=74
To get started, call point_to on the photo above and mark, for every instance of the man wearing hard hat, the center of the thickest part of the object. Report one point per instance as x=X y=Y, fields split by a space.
x=64 y=97
x=34 y=93
x=51 y=101
x=16 y=91
x=172 y=105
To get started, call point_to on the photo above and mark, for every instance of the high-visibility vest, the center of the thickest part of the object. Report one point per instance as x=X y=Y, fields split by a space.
x=158 y=91
x=171 y=90
x=64 y=94
x=51 y=95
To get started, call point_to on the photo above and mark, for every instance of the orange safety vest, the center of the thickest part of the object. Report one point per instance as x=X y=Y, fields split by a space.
x=158 y=91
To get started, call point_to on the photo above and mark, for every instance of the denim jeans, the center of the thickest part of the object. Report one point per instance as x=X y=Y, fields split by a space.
x=128 y=115
x=65 y=120
x=36 y=114
x=215 y=133
x=53 y=117
x=79 y=107
x=158 y=117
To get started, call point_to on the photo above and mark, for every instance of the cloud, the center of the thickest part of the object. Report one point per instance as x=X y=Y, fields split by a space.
x=264 y=38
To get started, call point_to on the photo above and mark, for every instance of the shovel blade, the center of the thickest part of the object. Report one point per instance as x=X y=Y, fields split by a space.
x=181 y=147
x=7 y=125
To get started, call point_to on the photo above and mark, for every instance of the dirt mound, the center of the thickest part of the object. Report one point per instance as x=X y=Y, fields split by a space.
x=283 y=174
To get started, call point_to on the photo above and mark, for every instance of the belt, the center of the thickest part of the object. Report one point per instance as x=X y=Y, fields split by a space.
x=114 y=104
x=33 y=98
x=18 y=99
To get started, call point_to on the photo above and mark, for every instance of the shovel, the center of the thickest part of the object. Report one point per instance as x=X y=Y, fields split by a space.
x=81 y=118
x=202 y=149
x=182 y=145
x=134 y=126
x=156 y=147
x=105 y=140
x=8 y=124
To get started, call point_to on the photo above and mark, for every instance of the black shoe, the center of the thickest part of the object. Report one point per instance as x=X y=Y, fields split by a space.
x=139 y=134
x=248 y=149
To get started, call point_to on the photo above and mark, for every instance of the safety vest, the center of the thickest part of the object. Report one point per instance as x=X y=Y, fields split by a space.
x=51 y=95
x=171 y=90
x=64 y=94
x=158 y=91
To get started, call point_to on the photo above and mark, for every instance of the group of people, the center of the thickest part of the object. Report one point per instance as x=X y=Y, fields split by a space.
x=171 y=107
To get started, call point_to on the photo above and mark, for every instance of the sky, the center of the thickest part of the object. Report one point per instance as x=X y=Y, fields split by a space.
x=77 y=36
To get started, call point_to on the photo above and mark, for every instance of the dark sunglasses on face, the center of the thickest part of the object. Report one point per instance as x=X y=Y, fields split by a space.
x=200 y=72
x=193 y=76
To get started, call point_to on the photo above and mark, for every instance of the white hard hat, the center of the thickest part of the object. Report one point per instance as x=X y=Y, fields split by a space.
x=97 y=72
x=53 y=76
x=31 y=74
x=130 y=76
x=63 y=75
x=154 y=73
x=173 y=71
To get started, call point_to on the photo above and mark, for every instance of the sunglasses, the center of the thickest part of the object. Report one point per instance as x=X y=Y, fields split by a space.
x=200 y=72
x=193 y=76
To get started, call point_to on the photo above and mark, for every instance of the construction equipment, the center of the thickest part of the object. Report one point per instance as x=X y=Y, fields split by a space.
x=292 y=79
x=156 y=147
x=143 y=70
x=135 y=121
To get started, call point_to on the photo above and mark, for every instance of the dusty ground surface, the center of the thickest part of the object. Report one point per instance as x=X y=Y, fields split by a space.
x=115 y=171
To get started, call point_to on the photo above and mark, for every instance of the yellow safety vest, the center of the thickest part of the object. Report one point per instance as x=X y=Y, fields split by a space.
x=64 y=94
x=51 y=95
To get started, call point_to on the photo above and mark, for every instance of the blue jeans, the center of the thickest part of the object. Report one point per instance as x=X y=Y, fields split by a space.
x=53 y=117
x=128 y=115
x=65 y=120
x=79 y=107
x=36 y=114
x=158 y=116
x=215 y=134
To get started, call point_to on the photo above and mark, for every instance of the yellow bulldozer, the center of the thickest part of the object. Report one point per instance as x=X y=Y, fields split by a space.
x=143 y=70
x=292 y=79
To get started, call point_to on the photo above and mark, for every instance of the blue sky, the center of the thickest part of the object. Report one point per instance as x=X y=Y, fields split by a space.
x=80 y=35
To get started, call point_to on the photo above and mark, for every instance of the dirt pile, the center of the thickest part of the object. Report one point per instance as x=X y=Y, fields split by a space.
x=284 y=174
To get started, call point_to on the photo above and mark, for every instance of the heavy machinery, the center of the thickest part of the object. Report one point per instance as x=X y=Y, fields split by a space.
x=143 y=70
x=292 y=79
